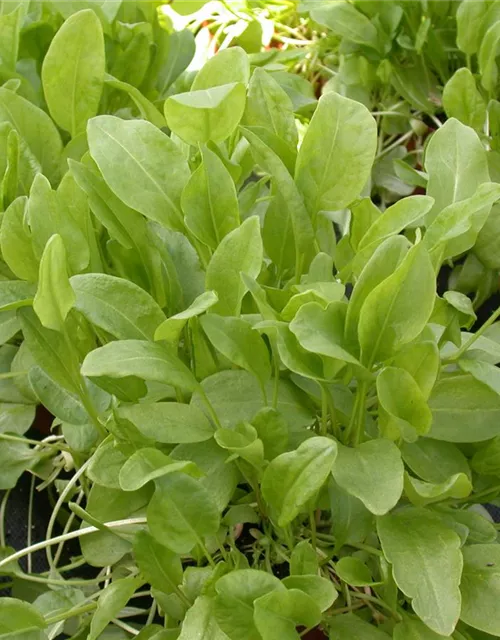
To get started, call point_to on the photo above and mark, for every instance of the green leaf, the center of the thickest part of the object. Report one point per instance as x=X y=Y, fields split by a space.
x=372 y=472
x=484 y=372
x=464 y=410
x=228 y=66
x=221 y=475
x=348 y=22
x=146 y=108
x=209 y=201
x=181 y=513
x=397 y=310
x=48 y=215
x=111 y=602
x=427 y=564
x=240 y=343
x=278 y=233
x=304 y=560
x=168 y=422
x=462 y=100
x=243 y=442
x=293 y=478
x=337 y=153
x=148 y=464
x=396 y=218
x=60 y=401
x=51 y=353
x=480 y=587
x=487 y=57
x=15 y=242
x=470 y=15
x=105 y=465
x=487 y=459
x=171 y=328
x=16 y=615
x=351 y=519
x=404 y=411
x=15 y=459
x=236 y=397
x=54 y=297
x=415 y=629
x=433 y=460
x=161 y=568
x=208 y=114
x=234 y=603
x=456 y=162
x=103 y=548
x=272 y=429
x=269 y=106
x=37 y=130
x=289 y=195
x=421 y=361
x=353 y=571
x=116 y=305
x=321 y=330
x=487 y=239
x=384 y=261
x=73 y=71
x=139 y=358
x=200 y=622
x=239 y=252
x=480 y=529
x=278 y=614
x=16 y=418
x=124 y=224
x=56 y=602
x=10 y=29
x=295 y=358
x=15 y=294
x=320 y=589
x=143 y=167
x=421 y=493
x=175 y=52
x=456 y=227
x=351 y=627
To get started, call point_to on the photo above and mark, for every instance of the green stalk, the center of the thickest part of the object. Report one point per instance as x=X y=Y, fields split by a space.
x=468 y=343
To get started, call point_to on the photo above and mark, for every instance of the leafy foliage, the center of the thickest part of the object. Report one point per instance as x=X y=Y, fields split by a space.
x=268 y=416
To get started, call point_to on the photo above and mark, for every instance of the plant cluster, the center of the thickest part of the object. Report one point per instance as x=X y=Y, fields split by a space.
x=268 y=418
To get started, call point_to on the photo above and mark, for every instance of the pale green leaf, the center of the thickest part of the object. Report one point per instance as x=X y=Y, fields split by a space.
x=139 y=358
x=427 y=564
x=337 y=153
x=293 y=478
x=73 y=71
x=54 y=297
x=116 y=305
x=239 y=252
x=171 y=328
x=143 y=167
x=208 y=114
x=372 y=472
x=168 y=422
x=181 y=513
x=464 y=410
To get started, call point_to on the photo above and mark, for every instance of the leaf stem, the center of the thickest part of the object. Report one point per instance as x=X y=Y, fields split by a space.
x=3 y=508
x=209 y=406
x=68 y=536
x=468 y=343
x=380 y=603
x=71 y=613
x=36 y=443
x=312 y=524
x=324 y=411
